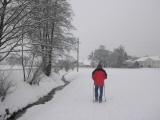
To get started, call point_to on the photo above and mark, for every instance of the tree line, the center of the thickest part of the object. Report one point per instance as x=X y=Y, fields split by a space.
x=115 y=58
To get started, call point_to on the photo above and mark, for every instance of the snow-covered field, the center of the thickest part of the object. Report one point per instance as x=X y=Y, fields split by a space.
x=132 y=94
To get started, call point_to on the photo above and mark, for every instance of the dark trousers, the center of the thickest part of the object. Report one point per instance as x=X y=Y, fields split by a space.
x=100 y=92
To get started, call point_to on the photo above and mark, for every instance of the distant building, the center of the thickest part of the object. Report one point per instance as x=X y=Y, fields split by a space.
x=130 y=63
x=149 y=61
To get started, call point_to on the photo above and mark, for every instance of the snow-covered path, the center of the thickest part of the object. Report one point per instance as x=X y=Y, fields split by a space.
x=132 y=94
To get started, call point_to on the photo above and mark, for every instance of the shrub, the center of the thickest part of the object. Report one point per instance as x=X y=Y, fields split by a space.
x=5 y=86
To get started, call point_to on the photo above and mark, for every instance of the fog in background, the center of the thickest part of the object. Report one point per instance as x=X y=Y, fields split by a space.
x=135 y=24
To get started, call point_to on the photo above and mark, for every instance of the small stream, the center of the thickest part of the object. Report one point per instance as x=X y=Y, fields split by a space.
x=42 y=100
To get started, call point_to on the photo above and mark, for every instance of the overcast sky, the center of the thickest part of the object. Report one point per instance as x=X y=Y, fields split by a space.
x=135 y=24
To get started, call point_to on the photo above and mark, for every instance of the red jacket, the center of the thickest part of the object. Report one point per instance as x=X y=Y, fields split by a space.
x=99 y=75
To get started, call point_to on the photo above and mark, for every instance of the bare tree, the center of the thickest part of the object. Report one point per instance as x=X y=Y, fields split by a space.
x=12 y=13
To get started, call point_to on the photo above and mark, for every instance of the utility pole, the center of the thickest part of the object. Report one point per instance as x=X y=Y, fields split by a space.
x=78 y=55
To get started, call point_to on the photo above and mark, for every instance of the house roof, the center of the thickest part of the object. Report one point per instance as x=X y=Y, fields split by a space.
x=130 y=61
x=155 y=58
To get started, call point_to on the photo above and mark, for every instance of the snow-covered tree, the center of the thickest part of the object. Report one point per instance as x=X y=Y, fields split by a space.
x=100 y=55
x=113 y=58
x=52 y=29
x=119 y=55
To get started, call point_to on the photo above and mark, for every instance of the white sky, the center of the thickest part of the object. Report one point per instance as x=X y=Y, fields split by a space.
x=135 y=24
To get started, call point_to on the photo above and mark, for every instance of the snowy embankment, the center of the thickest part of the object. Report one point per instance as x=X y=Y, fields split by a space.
x=24 y=94
x=132 y=94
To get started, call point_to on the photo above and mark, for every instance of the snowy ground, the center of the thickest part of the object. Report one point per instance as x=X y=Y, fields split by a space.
x=132 y=94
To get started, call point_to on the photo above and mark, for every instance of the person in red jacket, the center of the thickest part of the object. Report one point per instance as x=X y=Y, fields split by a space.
x=99 y=75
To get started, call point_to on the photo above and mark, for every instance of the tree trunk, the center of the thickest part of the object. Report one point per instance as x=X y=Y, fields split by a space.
x=24 y=75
